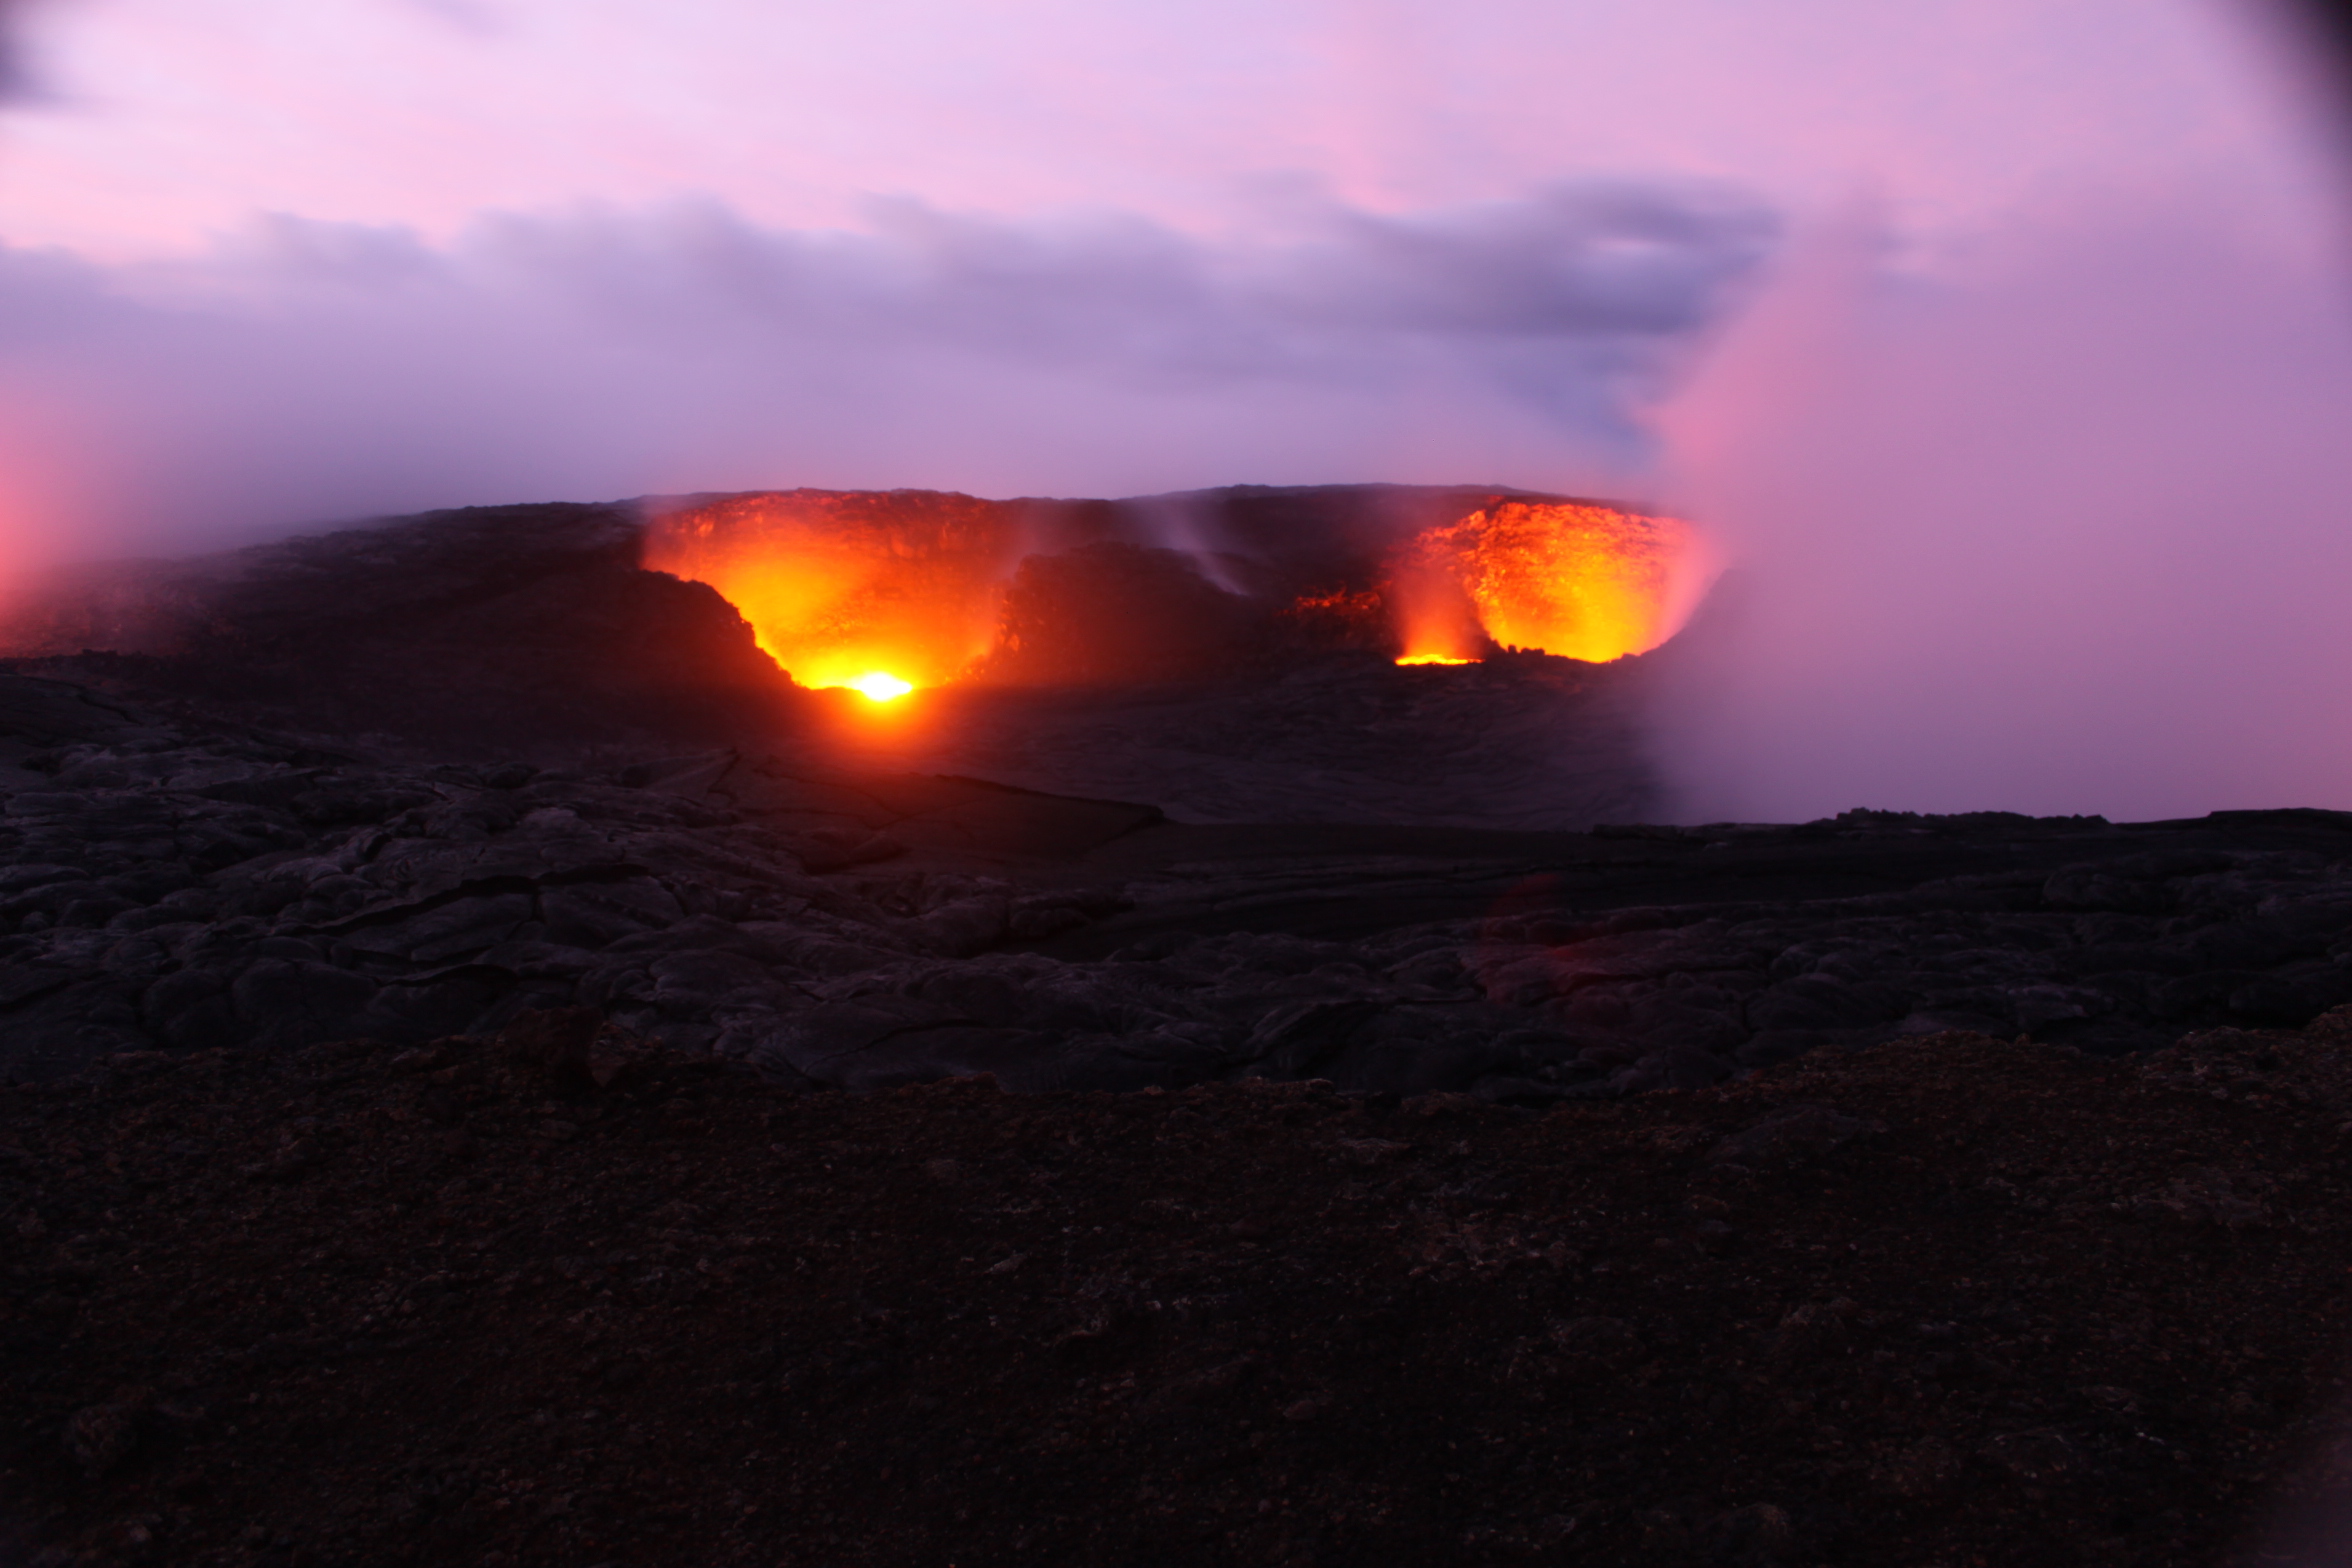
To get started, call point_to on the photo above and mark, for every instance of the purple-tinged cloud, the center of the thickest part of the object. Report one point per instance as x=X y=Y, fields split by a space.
x=15 y=71
x=314 y=372
x=185 y=118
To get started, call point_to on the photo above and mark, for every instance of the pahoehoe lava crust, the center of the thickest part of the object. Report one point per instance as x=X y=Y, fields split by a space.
x=168 y=885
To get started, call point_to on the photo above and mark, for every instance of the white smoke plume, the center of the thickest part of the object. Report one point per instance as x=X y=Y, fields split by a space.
x=2064 y=527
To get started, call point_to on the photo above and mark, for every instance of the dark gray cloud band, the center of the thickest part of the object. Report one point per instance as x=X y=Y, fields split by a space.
x=15 y=70
x=314 y=371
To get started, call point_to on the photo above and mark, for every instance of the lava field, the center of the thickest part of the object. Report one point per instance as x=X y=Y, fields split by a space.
x=499 y=1072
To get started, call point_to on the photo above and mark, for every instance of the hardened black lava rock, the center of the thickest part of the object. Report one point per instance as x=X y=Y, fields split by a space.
x=567 y=1296
x=169 y=882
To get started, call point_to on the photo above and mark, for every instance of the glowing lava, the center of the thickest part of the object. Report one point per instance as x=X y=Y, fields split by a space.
x=879 y=592
x=1435 y=619
x=884 y=593
x=1575 y=579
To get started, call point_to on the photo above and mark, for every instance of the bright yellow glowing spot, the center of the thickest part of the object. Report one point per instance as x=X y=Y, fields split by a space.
x=1431 y=658
x=880 y=687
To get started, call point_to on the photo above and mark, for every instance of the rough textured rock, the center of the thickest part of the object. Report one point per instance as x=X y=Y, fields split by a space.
x=502 y=626
x=1330 y=867
x=171 y=882
x=565 y=1296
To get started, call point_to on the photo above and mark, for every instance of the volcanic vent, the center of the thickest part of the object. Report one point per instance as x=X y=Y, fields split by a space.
x=887 y=592
x=1227 y=655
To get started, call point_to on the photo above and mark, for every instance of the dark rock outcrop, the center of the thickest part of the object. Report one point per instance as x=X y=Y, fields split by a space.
x=512 y=626
x=523 y=625
x=171 y=884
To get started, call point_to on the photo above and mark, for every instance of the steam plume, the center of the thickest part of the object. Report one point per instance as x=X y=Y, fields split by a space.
x=2067 y=531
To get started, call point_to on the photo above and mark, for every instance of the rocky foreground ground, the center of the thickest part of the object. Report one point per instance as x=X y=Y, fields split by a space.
x=171 y=881
x=568 y=1297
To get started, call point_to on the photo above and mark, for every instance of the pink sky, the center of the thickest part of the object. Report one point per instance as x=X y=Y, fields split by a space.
x=485 y=250
x=166 y=123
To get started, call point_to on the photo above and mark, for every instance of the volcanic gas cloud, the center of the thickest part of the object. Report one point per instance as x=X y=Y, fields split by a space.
x=884 y=593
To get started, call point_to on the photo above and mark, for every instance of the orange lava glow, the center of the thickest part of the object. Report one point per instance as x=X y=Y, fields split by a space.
x=878 y=593
x=1340 y=602
x=1436 y=620
x=886 y=593
x=1573 y=579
